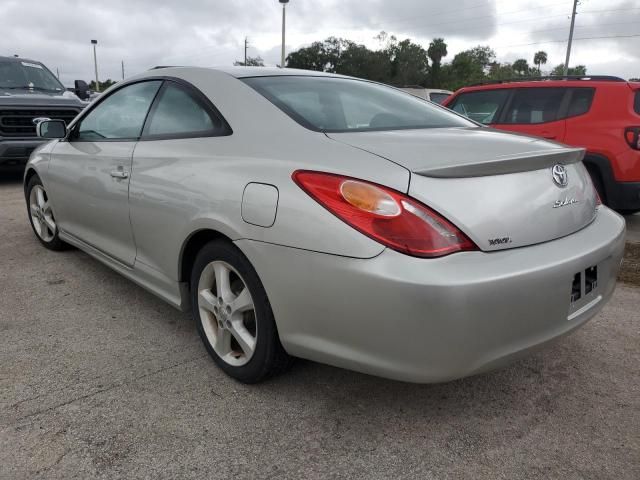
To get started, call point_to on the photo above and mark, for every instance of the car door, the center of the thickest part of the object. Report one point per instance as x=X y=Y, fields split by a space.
x=536 y=111
x=89 y=171
x=184 y=140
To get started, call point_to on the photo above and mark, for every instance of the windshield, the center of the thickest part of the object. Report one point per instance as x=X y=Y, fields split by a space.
x=344 y=105
x=24 y=74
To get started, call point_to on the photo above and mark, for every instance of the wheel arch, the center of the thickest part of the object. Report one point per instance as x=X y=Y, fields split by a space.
x=192 y=246
x=599 y=164
x=28 y=175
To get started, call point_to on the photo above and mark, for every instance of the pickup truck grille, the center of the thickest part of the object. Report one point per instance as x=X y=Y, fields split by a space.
x=17 y=122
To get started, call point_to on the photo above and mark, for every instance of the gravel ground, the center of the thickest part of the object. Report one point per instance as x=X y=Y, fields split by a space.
x=99 y=379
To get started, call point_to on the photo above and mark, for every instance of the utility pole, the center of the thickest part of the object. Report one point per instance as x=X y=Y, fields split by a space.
x=122 y=62
x=284 y=4
x=246 y=45
x=95 y=63
x=57 y=73
x=573 y=21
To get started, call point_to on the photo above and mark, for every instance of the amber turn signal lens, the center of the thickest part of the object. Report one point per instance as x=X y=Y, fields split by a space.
x=369 y=198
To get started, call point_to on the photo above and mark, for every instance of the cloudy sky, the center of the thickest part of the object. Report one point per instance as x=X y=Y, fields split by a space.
x=144 y=33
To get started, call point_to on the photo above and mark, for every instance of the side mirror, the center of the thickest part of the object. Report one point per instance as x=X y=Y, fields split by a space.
x=51 y=129
x=81 y=89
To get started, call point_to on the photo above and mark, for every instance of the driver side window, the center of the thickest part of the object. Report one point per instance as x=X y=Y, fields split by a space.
x=121 y=115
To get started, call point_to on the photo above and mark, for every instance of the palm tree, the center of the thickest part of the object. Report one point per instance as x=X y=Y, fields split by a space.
x=540 y=58
x=436 y=51
x=521 y=67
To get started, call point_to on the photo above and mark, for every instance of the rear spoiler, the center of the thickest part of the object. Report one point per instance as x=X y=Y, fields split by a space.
x=521 y=162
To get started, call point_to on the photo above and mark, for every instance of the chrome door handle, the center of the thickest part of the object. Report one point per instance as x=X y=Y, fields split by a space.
x=119 y=174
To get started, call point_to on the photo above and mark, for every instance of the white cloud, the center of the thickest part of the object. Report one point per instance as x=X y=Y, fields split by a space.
x=144 y=33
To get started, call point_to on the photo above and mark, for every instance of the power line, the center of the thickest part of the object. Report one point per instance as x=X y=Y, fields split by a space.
x=526 y=20
x=581 y=27
x=575 y=40
x=535 y=19
x=471 y=19
x=207 y=52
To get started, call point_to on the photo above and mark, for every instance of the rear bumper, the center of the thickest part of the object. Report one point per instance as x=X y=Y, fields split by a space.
x=17 y=151
x=422 y=320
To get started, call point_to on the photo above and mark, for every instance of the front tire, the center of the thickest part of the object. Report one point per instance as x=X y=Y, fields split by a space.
x=41 y=216
x=234 y=316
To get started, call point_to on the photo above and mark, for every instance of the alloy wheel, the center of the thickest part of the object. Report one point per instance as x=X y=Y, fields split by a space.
x=227 y=313
x=41 y=214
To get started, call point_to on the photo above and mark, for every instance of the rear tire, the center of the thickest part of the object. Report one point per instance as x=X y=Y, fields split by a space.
x=233 y=315
x=41 y=216
x=598 y=184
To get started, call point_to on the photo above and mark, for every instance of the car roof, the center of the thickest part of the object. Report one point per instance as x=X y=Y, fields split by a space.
x=420 y=87
x=244 y=72
x=438 y=90
x=585 y=81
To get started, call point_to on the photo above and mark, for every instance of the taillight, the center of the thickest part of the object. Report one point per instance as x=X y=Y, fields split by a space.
x=632 y=135
x=387 y=216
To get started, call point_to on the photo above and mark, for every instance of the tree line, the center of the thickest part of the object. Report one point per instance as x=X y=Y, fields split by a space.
x=103 y=85
x=408 y=63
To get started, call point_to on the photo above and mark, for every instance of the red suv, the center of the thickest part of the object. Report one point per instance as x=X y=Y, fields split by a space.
x=599 y=113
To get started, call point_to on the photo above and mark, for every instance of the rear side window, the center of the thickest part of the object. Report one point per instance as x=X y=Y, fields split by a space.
x=636 y=104
x=177 y=113
x=481 y=106
x=581 y=99
x=534 y=105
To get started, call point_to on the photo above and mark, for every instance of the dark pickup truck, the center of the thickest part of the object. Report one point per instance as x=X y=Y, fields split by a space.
x=29 y=91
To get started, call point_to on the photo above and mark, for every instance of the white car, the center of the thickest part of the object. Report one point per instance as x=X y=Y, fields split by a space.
x=306 y=214
x=434 y=95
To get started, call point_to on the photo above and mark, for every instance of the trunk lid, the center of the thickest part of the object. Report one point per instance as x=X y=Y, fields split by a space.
x=498 y=188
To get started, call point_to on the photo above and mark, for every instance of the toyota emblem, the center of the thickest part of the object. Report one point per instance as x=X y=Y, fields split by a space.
x=560 y=176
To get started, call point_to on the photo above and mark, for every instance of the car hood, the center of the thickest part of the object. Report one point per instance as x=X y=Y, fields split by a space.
x=37 y=98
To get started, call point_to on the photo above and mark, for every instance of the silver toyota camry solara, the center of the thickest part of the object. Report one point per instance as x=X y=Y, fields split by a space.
x=319 y=216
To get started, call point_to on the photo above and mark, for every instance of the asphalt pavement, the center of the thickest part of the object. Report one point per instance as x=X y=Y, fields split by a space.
x=100 y=379
x=633 y=228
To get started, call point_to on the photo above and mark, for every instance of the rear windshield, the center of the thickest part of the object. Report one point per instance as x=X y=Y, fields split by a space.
x=330 y=104
x=636 y=104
